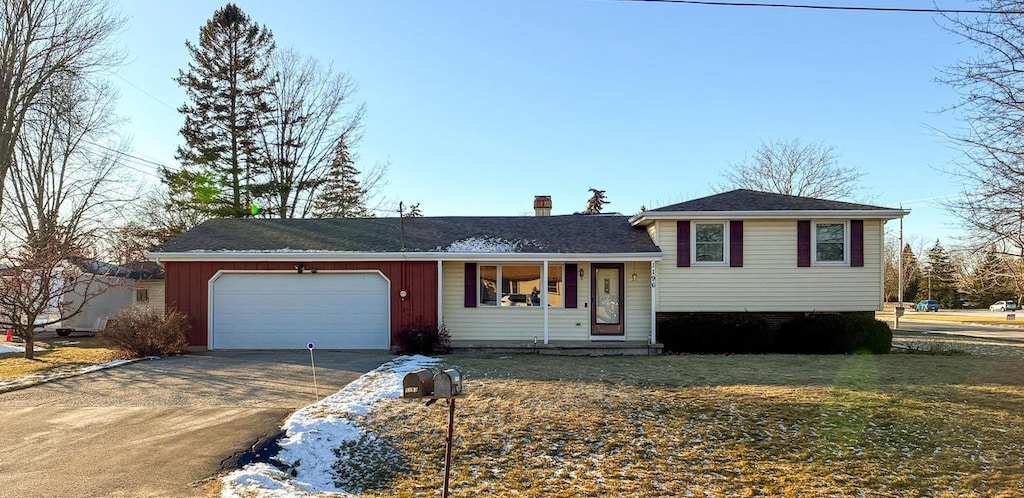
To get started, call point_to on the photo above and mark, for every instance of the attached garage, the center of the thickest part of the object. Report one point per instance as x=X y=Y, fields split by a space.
x=287 y=310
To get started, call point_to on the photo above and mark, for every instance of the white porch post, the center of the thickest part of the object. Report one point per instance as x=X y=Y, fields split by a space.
x=654 y=302
x=544 y=297
x=440 y=294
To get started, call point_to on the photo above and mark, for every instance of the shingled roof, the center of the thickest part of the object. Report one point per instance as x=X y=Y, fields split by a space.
x=752 y=200
x=570 y=234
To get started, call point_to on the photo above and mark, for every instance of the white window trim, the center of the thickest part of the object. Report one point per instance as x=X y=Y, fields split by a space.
x=846 y=243
x=497 y=305
x=725 y=243
x=137 y=300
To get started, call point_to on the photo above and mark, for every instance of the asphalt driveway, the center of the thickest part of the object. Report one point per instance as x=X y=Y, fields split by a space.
x=159 y=427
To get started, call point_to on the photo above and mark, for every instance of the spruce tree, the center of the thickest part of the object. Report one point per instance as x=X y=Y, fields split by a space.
x=414 y=211
x=942 y=277
x=596 y=202
x=911 y=274
x=343 y=196
x=226 y=85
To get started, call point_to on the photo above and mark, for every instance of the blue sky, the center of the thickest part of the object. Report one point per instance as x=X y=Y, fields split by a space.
x=481 y=104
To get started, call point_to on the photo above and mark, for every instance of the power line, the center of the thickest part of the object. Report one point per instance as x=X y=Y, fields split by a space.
x=140 y=161
x=137 y=87
x=859 y=8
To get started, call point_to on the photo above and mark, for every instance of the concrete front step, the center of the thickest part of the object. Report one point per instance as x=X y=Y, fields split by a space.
x=565 y=348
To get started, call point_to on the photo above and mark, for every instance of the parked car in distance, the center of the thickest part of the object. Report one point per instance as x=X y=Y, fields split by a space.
x=927 y=305
x=1003 y=306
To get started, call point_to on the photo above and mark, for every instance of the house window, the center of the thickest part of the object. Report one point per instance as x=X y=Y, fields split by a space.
x=709 y=242
x=520 y=285
x=142 y=295
x=830 y=242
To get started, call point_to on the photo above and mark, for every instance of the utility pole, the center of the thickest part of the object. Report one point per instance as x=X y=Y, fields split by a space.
x=929 y=282
x=899 y=272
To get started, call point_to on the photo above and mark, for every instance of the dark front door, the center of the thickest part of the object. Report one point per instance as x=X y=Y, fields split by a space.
x=607 y=295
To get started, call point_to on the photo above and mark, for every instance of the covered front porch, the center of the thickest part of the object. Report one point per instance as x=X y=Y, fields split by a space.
x=560 y=304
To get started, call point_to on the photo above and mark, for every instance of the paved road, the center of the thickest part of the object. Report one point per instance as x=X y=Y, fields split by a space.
x=1013 y=333
x=156 y=428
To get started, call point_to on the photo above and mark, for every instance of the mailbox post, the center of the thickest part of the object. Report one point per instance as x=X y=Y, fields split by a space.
x=446 y=385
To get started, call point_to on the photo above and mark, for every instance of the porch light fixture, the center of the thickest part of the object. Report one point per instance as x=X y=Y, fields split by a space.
x=581 y=273
x=634 y=277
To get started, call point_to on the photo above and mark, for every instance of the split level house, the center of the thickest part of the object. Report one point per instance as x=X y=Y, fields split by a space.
x=572 y=281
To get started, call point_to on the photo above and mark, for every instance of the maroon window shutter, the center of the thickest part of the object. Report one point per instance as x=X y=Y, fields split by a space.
x=683 y=243
x=856 y=242
x=803 y=243
x=570 y=285
x=470 y=285
x=736 y=243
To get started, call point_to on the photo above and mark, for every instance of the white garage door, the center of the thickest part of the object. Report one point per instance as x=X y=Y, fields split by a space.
x=288 y=310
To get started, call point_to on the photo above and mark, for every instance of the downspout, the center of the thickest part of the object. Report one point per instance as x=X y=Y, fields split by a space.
x=654 y=303
x=544 y=297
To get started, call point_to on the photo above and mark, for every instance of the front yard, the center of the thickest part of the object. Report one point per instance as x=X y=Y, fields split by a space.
x=55 y=355
x=895 y=425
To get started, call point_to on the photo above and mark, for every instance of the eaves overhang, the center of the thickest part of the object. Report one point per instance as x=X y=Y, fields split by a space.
x=647 y=217
x=306 y=256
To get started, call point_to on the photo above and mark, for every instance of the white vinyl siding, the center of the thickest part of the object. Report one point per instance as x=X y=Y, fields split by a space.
x=155 y=289
x=493 y=323
x=770 y=279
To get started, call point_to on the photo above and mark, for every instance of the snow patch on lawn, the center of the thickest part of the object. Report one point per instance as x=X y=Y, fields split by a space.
x=115 y=363
x=63 y=373
x=314 y=432
x=5 y=348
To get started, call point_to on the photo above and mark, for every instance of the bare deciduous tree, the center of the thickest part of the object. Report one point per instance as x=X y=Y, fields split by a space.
x=42 y=288
x=794 y=168
x=44 y=43
x=60 y=193
x=312 y=117
x=991 y=88
x=62 y=187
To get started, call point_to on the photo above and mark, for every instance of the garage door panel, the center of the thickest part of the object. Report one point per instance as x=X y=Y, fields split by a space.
x=285 y=311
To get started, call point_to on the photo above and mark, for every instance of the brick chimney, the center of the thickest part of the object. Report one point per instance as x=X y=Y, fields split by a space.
x=542 y=205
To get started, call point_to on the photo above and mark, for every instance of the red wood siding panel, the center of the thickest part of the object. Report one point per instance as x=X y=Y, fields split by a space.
x=187 y=289
x=803 y=243
x=571 y=285
x=736 y=243
x=856 y=242
x=683 y=243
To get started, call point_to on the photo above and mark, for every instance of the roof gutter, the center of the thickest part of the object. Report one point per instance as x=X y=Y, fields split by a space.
x=647 y=217
x=292 y=256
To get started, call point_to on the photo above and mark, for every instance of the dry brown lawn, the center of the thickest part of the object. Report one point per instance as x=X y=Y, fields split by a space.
x=743 y=425
x=70 y=353
x=995 y=318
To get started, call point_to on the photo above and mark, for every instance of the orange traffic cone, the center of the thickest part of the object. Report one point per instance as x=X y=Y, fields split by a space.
x=9 y=335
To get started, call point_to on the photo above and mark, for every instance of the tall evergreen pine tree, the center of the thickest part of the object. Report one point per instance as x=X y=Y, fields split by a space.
x=226 y=85
x=942 y=277
x=343 y=196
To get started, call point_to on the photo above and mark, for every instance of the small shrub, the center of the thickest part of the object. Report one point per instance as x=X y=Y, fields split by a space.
x=715 y=333
x=423 y=339
x=828 y=333
x=144 y=332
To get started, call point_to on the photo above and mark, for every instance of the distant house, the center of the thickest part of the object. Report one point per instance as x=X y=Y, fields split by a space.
x=100 y=290
x=574 y=281
x=149 y=285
